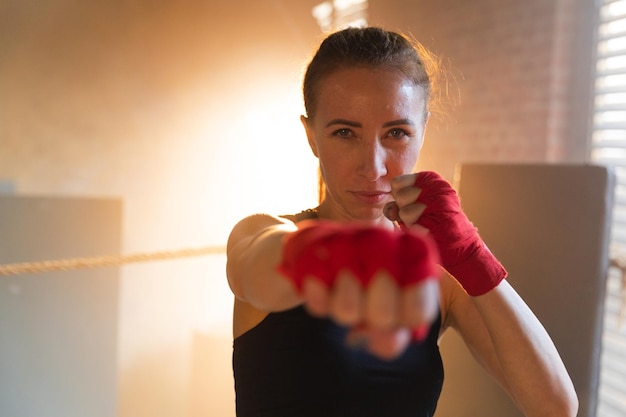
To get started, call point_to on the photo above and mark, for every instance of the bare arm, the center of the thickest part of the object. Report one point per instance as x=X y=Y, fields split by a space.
x=509 y=341
x=253 y=252
x=498 y=327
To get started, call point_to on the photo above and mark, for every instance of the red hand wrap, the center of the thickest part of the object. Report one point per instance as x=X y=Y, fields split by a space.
x=463 y=253
x=321 y=249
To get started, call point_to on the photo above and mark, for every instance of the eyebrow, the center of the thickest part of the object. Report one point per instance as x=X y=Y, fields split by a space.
x=343 y=122
x=399 y=122
x=357 y=124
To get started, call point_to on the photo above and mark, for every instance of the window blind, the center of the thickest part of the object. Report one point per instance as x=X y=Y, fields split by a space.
x=608 y=146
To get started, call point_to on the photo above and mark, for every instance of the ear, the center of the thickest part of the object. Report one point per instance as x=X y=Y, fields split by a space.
x=309 y=134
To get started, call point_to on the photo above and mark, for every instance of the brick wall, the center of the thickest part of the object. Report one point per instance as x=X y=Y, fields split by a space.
x=518 y=77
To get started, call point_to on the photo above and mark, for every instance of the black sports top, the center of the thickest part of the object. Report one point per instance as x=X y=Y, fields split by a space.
x=295 y=365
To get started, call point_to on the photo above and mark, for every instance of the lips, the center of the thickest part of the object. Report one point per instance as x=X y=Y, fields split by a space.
x=371 y=197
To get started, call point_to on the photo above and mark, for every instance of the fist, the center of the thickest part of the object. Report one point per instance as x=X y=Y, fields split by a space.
x=382 y=283
x=428 y=202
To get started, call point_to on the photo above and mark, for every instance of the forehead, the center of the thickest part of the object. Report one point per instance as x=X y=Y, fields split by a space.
x=374 y=91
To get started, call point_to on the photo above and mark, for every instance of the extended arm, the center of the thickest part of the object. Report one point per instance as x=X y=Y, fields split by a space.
x=254 y=252
x=381 y=283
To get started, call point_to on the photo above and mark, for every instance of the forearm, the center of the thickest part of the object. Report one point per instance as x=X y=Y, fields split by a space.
x=529 y=361
x=252 y=270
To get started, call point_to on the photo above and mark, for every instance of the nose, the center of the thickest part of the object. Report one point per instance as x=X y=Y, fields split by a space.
x=373 y=161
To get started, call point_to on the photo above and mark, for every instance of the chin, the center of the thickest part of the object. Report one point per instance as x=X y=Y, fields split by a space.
x=371 y=214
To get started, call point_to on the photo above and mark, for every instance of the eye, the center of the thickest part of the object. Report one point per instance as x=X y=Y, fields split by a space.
x=343 y=132
x=398 y=133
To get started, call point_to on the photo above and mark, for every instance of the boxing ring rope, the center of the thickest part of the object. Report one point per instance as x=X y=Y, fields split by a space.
x=20 y=268
x=105 y=261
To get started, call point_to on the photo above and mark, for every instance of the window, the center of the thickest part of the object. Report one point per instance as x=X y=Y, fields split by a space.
x=339 y=14
x=608 y=146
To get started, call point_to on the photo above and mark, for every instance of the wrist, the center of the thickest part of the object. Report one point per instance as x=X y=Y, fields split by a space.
x=478 y=273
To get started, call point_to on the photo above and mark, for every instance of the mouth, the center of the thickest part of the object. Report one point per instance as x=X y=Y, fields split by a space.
x=371 y=197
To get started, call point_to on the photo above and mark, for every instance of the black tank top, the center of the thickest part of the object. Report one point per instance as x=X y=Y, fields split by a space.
x=295 y=365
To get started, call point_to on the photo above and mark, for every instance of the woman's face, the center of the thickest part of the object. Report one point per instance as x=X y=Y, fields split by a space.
x=367 y=129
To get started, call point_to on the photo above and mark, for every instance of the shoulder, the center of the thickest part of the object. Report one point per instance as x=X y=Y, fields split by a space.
x=307 y=214
x=257 y=223
x=253 y=225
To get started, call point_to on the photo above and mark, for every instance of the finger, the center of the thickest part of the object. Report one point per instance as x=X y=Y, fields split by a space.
x=403 y=181
x=357 y=338
x=419 y=228
x=316 y=297
x=411 y=213
x=406 y=196
x=391 y=211
x=420 y=304
x=346 y=301
x=388 y=344
x=381 y=302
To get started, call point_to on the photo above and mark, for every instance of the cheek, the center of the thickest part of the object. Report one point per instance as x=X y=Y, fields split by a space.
x=404 y=162
x=334 y=165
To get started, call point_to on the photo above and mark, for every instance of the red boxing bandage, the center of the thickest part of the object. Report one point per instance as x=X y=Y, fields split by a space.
x=463 y=253
x=321 y=249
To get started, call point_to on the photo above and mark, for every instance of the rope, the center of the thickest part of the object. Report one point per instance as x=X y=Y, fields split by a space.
x=105 y=261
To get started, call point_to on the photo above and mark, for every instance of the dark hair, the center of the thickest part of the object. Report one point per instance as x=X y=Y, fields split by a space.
x=369 y=47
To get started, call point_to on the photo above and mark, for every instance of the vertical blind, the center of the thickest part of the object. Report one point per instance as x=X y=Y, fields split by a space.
x=608 y=146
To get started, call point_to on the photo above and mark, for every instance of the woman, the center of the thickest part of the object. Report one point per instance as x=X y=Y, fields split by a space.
x=338 y=309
